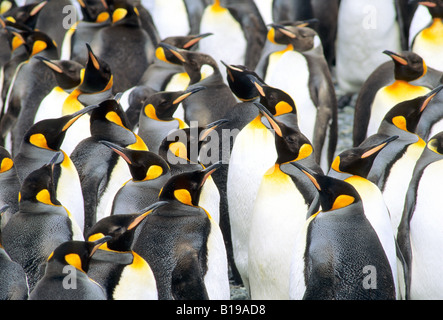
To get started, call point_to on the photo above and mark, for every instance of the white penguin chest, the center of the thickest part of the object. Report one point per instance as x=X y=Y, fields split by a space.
x=51 y=105
x=289 y=71
x=429 y=44
x=425 y=235
x=170 y=17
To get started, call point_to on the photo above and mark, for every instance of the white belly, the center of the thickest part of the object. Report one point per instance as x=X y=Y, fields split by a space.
x=253 y=153
x=425 y=235
x=278 y=215
x=170 y=17
x=51 y=106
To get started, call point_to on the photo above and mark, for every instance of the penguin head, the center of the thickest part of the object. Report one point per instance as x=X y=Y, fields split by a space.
x=297 y=34
x=67 y=72
x=408 y=66
x=334 y=193
x=49 y=133
x=184 y=145
x=198 y=65
x=359 y=160
x=406 y=115
x=109 y=122
x=275 y=100
x=187 y=42
x=143 y=165
x=75 y=253
x=436 y=143
x=240 y=83
x=6 y=160
x=38 y=188
x=35 y=42
x=120 y=228
x=98 y=76
x=125 y=13
x=26 y=14
x=94 y=10
x=162 y=105
x=290 y=143
x=186 y=187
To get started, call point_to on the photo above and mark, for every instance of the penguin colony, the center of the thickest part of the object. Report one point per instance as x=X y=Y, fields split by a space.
x=164 y=149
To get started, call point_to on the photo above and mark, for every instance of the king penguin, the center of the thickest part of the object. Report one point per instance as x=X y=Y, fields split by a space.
x=101 y=171
x=339 y=240
x=70 y=259
x=353 y=166
x=40 y=144
x=182 y=243
x=216 y=100
x=279 y=213
x=10 y=186
x=96 y=86
x=418 y=234
x=428 y=42
x=312 y=89
x=393 y=168
x=68 y=76
x=14 y=284
x=158 y=117
x=40 y=225
x=239 y=32
x=370 y=110
x=149 y=174
x=115 y=266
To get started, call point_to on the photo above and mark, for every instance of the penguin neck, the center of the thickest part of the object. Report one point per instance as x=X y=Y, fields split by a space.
x=72 y=104
x=435 y=31
x=402 y=87
x=288 y=48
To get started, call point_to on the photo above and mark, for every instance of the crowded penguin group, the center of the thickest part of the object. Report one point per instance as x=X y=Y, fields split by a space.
x=170 y=149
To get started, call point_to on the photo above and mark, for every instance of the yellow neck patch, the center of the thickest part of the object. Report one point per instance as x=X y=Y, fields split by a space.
x=282 y=108
x=74 y=260
x=342 y=201
x=217 y=8
x=179 y=150
x=434 y=32
x=400 y=122
x=115 y=118
x=139 y=144
x=38 y=46
x=183 y=196
x=154 y=172
x=44 y=197
x=305 y=151
x=6 y=165
x=119 y=14
x=150 y=112
x=71 y=103
x=39 y=140
x=336 y=164
x=102 y=17
x=98 y=236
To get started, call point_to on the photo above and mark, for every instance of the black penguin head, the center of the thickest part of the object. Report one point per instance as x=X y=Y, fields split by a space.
x=406 y=115
x=290 y=143
x=98 y=76
x=333 y=193
x=298 y=35
x=26 y=14
x=76 y=253
x=94 y=10
x=109 y=122
x=121 y=228
x=68 y=73
x=240 y=81
x=6 y=161
x=35 y=42
x=49 y=133
x=186 y=187
x=125 y=13
x=408 y=66
x=188 y=42
x=38 y=186
x=143 y=165
x=162 y=105
x=275 y=100
x=359 y=160
x=198 y=65
x=436 y=143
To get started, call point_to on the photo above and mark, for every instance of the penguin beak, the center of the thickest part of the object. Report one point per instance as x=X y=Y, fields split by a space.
x=283 y=30
x=265 y=112
x=379 y=147
x=310 y=174
x=37 y=8
x=428 y=4
x=145 y=213
x=188 y=93
x=92 y=57
x=430 y=96
x=208 y=171
x=211 y=127
x=172 y=50
x=97 y=243
x=196 y=39
x=396 y=57
x=3 y=209
x=49 y=63
x=118 y=149
x=76 y=115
